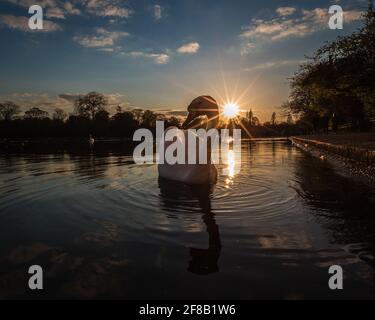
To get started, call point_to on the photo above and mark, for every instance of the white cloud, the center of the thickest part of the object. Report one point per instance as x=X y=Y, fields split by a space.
x=274 y=64
x=107 y=8
x=94 y=41
x=106 y=49
x=192 y=47
x=157 y=12
x=22 y=24
x=44 y=101
x=71 y=97
x=65 y=101
x=58 y=9
x=29 y=3
x=246 y=48
x=102 y=38
x=70 y=9
x=285 y=11
x=55 y=13
x=55 y=9
x=158 y=58
x=283 y=26
x=112 y=34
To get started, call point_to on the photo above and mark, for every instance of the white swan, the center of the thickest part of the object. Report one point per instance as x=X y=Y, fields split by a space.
x=203 y=107
x=91 y=140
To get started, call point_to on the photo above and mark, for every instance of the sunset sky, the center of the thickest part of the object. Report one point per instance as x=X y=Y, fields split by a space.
x=159 y=55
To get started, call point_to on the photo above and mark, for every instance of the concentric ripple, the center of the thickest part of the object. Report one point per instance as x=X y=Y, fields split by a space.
x=274 y=188
x=96 y=214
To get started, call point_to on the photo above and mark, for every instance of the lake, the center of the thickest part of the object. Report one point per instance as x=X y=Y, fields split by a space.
x=102 y=227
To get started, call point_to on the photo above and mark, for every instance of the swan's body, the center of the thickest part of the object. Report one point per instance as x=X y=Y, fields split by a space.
x=188 y=173
x=203 y=114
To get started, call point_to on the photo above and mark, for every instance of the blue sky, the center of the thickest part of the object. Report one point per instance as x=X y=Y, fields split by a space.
x=159 y=55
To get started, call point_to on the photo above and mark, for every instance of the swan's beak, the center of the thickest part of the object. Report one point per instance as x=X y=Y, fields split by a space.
x=190 y=117
x=213 y=120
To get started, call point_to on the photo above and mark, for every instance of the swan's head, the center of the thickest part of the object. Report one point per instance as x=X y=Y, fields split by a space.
x=200 y=107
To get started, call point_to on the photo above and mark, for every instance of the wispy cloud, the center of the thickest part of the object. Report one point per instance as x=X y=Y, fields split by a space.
x=107 y=49
x=107 y=8
x=158 y=58
x=70 y=9
x=63 y=101
x=29 y=3
x=191 y=48
x=55 y=9
x=157 y=9
x=285 y=11
x=55 y=13
x=58 y=9
x=290 y=23
x=102 y=38
x=22 y=24
x=45 y=101
x=274 y=64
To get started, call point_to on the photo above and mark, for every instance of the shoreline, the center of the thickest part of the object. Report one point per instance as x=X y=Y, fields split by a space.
x=358 y=160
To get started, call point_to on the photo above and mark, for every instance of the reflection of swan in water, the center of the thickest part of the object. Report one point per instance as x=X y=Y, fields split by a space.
x=203 y=114
x=173 y=194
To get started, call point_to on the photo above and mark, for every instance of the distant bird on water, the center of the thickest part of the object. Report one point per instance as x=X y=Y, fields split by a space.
x=91 y=140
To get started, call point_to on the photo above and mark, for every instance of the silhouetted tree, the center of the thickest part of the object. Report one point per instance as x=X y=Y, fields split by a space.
x=101 y=124
x=90 y=104
x=149 y=119
x=78 y=126
x=289 y=119
x=173 y=122
x=124 y=124
x=8 y=110
x=337 y=85
x=273 y=118
x=250 y=117
x=138 y=115
x=255 y=121
x=59 y=115
x=36 y=113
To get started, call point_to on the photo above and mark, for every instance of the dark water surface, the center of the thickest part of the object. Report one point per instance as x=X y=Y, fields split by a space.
x=102 y=227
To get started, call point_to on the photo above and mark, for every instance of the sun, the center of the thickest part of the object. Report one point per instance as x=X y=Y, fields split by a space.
x=231 y=110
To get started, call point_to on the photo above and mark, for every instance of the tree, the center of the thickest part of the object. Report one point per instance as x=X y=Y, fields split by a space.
x=118 y=109
x=59 y=115
x=101 y=123
x=289 y=119
x=250 y=116
x=255 y=121
x=123 y=123
x=90 y=104
x=8 y=110
x=36 y=113
x=173 y=122
x=273 y=118
x=149 y=119
x=138 y=114
x=337 y=85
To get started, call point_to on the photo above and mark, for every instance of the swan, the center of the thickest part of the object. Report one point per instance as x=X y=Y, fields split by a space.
x=203 y=112
x=91 y=140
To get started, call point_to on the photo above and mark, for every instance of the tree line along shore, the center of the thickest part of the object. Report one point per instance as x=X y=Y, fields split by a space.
x=334 y=91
